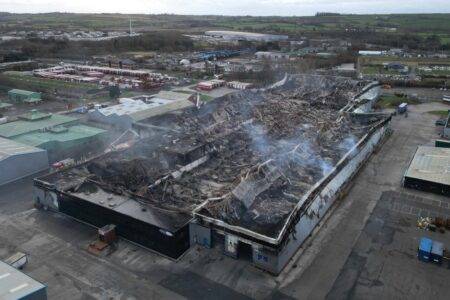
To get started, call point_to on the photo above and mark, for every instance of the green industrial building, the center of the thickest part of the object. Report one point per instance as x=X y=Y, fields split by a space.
x=62 y=136
x=22 y=96
x=4 y=105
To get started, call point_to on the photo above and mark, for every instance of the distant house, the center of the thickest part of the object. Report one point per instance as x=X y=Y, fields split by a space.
x=20 y=96
x=127 y=63
x=271 y=55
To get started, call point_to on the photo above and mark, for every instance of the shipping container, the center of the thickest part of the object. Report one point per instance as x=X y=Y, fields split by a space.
x=437 y=252
x=424 y=253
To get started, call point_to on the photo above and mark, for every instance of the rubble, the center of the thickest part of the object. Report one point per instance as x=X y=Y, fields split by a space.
x=251 y=156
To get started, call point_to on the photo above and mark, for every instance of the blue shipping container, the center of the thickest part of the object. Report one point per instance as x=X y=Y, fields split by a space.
x=425 y=246
x=437 y=252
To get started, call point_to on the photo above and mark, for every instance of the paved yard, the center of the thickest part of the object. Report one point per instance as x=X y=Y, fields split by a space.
x=383 y=262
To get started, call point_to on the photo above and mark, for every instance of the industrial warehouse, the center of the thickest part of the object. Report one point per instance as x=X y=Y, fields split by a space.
x=428 y=170
x=59 y=135
x=20 y=160
x=232 y=171
x=130 y=111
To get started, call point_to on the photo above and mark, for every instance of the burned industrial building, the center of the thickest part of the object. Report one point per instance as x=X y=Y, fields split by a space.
x=255 y=170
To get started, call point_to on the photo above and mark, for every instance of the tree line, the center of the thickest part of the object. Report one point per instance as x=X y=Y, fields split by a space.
x=167 y=41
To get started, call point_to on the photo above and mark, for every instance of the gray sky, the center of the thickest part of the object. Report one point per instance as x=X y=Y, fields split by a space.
x=227 y=7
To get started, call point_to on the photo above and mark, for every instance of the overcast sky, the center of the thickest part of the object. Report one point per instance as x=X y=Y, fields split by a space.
x=227 y=7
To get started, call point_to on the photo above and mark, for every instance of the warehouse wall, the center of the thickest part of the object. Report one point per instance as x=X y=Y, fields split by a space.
x=323 y=201
x=22 y=165
x=199 y=235
x=75 y=149
x=132 y=229
x=426 y=186
x=115 y=120
x=371 y=96
x=266 y=259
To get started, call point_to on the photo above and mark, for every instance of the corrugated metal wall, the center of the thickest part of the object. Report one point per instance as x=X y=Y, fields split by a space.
x=22 y=165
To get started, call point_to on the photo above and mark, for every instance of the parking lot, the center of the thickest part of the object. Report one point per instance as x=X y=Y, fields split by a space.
x=383 y=262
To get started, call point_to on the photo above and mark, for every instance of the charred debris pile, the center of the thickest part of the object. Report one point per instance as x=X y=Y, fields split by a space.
x=249 y=158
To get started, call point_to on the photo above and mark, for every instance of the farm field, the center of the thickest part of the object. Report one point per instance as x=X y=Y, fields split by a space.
x=423 y=25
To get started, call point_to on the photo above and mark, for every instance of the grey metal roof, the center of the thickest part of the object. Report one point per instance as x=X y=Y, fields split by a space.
x=15 y=284
x=22 y=92
x=170 y=95
x=139 y=110
x=430 y=164
x=10 y=148
x=125 y=205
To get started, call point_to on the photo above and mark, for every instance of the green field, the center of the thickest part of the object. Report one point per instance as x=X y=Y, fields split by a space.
x=439 y=113
x=416 y=23
x=36 y=83
x=49 y=87
x=423 y=25
x=393 y=101
x=374 y=65
x=435 y=73
x=373 y=70
x=129 y=94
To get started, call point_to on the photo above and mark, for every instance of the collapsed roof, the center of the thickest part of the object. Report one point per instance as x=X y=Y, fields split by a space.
x=252 y=155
